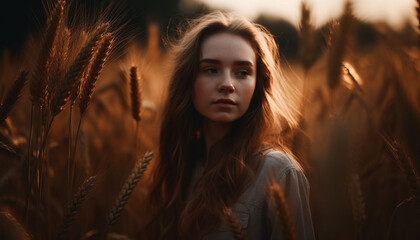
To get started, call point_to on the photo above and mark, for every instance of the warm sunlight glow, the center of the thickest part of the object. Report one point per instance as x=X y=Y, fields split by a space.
x=395 y=13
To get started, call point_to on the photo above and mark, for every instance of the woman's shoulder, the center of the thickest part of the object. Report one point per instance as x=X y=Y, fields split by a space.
x=277 y=160
x=275 y=166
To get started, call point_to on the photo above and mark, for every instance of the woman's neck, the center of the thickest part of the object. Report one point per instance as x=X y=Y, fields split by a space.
x=214 y=132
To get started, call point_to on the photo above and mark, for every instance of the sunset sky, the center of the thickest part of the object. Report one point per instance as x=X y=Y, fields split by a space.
x=394 y=12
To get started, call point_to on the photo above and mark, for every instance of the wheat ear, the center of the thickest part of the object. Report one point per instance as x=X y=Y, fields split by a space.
x=233 y=224
x=71 y=82
x=12 y=96
x=135 y=94
x=307 y=38
x=75 y=205
x=38 y=85
x=406 y=164
x=283 y=212
x=94 y=71
x=59 y=63
x=84 y=57
x=128 y=188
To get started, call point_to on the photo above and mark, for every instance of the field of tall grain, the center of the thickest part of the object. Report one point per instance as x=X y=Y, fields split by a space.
x=80 y=111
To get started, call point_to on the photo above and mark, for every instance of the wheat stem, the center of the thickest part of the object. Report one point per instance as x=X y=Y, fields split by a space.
x=358 y=203
x=69 y=151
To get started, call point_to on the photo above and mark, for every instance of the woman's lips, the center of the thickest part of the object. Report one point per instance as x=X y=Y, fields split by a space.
x=225 y=103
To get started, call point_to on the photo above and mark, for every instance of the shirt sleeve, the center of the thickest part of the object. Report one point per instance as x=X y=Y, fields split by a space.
x=295 y=188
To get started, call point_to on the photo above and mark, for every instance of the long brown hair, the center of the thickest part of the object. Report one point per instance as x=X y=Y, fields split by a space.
x=230 y=163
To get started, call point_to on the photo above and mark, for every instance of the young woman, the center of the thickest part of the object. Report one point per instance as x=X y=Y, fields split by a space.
x=219 y=136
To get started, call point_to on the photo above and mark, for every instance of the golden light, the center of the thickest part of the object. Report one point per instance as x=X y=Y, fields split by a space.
x=395 y=13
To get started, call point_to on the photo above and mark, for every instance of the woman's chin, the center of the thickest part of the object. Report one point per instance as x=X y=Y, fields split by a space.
x=223 y=118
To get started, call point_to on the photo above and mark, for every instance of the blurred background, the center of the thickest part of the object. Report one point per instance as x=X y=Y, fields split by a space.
x=21 y=18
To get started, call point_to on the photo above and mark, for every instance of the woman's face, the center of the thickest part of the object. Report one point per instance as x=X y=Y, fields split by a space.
x=227 y=76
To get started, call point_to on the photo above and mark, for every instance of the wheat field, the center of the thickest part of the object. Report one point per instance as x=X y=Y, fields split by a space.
x=79 y=120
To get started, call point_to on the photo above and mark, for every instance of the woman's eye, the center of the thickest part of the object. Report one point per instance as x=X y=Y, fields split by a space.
x=210 y=70
x=242 y=73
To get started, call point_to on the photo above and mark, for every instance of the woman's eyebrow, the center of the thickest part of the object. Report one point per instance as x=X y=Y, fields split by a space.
x=244 y=63
x=207 y=60
x=240 y=63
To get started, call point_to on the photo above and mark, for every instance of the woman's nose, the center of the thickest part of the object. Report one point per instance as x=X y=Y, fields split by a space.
x=226 y=84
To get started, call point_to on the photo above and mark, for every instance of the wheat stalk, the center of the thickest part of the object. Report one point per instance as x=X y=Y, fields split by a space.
x=75 y=205
x=94 y=71
x=233 y=224
x=38 y=85
x=135 y=94
x=357 y=201
x=283 y=212
x=93 y=74
x=337 y=49
x=128 y=188
x=12 y=96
